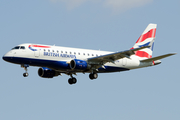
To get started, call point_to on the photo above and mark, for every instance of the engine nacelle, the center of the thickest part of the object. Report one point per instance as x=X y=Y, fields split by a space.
x=78 y=64
x=46 y=72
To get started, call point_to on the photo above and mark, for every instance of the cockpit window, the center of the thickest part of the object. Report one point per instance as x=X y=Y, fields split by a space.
x=17 y=47
x=22 y=47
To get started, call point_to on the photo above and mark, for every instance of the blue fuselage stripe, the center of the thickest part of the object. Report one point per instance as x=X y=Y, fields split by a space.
x=56 y=65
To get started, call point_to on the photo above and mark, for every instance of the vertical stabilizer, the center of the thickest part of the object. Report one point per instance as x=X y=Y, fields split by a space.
x=146 y=39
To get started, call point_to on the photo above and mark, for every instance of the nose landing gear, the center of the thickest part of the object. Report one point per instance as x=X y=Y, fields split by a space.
x=25 y=68
x=25 y=74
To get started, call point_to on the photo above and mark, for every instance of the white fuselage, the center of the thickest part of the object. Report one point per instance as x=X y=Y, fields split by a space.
x=54 y=60
x=58 y=58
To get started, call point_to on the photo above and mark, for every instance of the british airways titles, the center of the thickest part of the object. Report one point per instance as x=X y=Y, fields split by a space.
x=58 y=55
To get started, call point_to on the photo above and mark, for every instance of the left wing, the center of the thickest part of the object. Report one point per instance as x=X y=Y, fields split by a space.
x=157 y=58
x=113 y=57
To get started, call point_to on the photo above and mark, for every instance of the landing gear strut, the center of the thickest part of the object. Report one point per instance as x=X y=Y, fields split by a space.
x=93 y=76
x=25 y=68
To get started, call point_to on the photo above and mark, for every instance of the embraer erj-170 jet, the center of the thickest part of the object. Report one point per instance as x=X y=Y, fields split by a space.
x=54 y=60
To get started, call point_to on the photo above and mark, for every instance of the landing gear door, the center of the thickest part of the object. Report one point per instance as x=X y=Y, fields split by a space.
x=37 y=53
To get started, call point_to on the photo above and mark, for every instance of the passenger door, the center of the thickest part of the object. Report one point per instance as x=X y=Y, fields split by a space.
x=37 y=53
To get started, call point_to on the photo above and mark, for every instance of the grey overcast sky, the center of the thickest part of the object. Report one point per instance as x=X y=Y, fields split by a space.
x=113 y=25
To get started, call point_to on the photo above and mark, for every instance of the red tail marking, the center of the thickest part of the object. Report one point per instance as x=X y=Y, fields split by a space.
x=143 y=54
x=150 y=34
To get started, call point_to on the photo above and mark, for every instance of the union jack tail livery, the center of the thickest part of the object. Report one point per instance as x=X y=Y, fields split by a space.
x=146 y=39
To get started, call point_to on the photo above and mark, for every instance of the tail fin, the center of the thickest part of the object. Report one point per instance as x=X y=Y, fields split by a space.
x=146 y=39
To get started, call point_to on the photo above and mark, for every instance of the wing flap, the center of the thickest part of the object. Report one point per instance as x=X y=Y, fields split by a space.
x=114 y=56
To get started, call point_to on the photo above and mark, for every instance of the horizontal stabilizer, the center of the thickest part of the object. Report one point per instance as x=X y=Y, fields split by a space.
x=157 y=58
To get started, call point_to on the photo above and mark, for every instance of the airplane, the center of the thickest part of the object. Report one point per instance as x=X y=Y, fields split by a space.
x=54 y=60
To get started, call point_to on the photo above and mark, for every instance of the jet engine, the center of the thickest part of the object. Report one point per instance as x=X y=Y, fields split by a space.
x=79 y=64
x=47 y=73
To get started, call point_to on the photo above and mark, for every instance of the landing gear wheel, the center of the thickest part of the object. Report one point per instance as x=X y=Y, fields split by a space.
x=72 y=81
x=93 y=76
x=25 y=74
x=25 y=68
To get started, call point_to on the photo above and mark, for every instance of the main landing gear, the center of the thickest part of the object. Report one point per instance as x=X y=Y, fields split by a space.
x=93 y=76
x=25 y=68
x=73 y=80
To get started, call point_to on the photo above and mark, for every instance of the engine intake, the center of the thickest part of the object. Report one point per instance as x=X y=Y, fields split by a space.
x=47 y=73
x=78 y=64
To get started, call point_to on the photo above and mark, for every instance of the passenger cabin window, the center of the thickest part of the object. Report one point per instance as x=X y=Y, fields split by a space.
x=15 y=48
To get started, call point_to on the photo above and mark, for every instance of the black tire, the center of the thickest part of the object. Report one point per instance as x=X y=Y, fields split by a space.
x=93 y=76
x=72 y=81
x=25 y=74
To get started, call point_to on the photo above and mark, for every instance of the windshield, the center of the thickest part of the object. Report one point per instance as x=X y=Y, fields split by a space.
x=17 y=47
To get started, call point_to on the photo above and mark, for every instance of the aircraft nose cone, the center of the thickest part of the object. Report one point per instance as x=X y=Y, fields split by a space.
x=8 y=56
x=4 y=58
